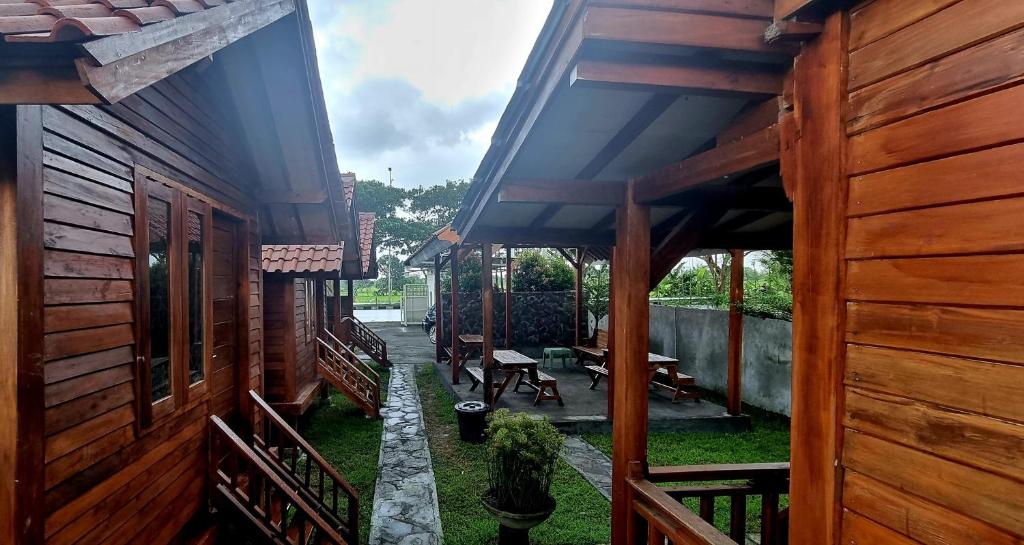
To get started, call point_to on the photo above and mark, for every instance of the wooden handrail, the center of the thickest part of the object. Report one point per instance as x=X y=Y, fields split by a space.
x=339 y=347
x=367 y=339
x=718 y=472
x=351 y=358
x=267 y=501
x=675 y=521
x=342 y=368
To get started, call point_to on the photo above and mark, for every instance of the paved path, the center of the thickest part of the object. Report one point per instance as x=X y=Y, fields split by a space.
x=405 y=508
x=595 y=467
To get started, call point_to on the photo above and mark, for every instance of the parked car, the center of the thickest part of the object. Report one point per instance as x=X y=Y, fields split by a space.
x=430 y=324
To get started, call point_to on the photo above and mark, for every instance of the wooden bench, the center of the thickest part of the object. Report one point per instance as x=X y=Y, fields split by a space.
x=543 y=383
x=594 y=350
x=596 y=372
x=476 y=375
x=684 y=385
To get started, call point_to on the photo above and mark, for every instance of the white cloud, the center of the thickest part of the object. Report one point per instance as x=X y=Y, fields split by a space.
x=418 y=85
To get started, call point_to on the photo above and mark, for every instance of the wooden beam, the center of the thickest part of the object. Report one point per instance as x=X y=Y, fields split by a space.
x=545 y=215
x=785 y=9
x=757 y=9
x=43 y=85
x=819 y=322
x=508 y=297
x=456 y=366
x=487 y=307
x=629 y=359
x=750 y=153
x=791 y=31
x=682 y=240
x=769 y=199
x=540 y=238
x=751 y=120
x=641 y=120
x=579 y=265
x=735 y=374
x=636 y=27
x=780 y=238
x=119 y=66
x=720 y=79
x=562 y=192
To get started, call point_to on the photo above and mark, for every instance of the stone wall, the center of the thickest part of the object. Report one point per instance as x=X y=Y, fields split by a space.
x=699 y=339
x=538 y=319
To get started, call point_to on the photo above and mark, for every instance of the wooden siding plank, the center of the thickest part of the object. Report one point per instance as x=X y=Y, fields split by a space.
x=85 y=266
x=57 y=143
x=972 y=492
x=83 y=170
x=67 y=318
x=986 y=443
x=60 y=121
x=919 y=519
x=65 y=237
x=971 y=332
x=973 y=228
x=57 y=371
x=983 y=387
x=984 y=280
x=62 y=291
x=985 y=174
x=75 y=213
x=82 y=341
x=60 y=469
x=983 y=68
x=88 y=431
x=857 y=529
x=83 y=408
x=877 y=20
x=77 y=387
x=981 y=122
x=957 y=27
x=57 y=182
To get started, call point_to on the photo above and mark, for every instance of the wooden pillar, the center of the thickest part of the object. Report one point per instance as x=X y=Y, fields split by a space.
x=508 y=297
x=487 y=307
x=320 y=304
x=438 y=312
x=337 y=308
x=350 y=300
x=819 y=321
x=454 y=259
x=611 y=333
x=629 y=359
x=735 y=394
x=581 y=256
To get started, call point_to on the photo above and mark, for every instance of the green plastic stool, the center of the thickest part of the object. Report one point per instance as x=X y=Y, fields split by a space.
x=555 y=352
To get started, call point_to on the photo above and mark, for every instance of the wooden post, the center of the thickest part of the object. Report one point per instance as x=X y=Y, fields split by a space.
x=487 y=307
x=350 y=300
x=320 y=305
x=819 y=321
x=629 y=359
x=735 y=393
x=438 y=311
x=580 y=260
x=611 y=333
x=454 y=259
x=508 y=297
x=337 y=308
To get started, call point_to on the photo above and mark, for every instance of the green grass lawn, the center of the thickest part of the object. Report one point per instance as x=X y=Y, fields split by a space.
x=768 y=441
x=348 y=440
x=582 y=516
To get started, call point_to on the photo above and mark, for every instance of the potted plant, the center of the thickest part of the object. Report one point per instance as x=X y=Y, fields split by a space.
x=522 y=453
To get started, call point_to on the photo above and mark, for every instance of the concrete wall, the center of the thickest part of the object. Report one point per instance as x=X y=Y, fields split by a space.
x=699 y=339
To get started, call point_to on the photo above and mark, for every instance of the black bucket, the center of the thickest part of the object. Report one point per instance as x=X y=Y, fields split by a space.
x=472 y=420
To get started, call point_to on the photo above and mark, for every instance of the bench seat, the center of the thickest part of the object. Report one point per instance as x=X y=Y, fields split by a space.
x=545 y=385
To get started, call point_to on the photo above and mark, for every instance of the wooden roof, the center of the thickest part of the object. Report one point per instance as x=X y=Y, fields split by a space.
x=683 y=96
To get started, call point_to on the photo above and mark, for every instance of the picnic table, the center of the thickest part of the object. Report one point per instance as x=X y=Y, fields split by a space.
x=471 y=345
x=522 y=369
x=658 y=365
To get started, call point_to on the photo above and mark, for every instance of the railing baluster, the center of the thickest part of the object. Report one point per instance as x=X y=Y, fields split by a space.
x=707 y=509
x=738 y=518
x=769 y=518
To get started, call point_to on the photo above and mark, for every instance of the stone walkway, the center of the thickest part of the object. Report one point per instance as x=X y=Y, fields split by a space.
x=405 y=508
x=595 y=467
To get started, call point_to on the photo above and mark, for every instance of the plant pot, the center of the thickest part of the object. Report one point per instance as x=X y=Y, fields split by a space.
x=514 y=528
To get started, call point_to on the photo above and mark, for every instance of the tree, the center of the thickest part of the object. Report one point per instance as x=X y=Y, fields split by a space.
x=469 y=274
x=405 y=218
x=596 y=289
x=534 y=271
x=437 y=205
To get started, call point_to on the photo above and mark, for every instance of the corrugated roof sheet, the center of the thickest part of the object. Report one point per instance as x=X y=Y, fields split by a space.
x=367 y=226
x=82 y=20
x=300 y=259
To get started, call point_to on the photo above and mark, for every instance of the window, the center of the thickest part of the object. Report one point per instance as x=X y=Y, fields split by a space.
x=310 y=311
x=172 y=242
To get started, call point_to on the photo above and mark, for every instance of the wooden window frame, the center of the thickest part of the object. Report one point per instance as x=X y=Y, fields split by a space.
x=309 y=286
x=182 y=390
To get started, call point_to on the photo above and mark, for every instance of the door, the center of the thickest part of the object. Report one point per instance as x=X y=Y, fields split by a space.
x=226 y=285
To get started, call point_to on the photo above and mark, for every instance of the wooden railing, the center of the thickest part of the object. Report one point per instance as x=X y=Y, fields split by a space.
x=242 y=480
x=661 y=516
x=302 y=467
x=353 y=378
x=360 y=335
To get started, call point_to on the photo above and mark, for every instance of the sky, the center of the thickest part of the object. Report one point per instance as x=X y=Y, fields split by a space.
x=419 y=85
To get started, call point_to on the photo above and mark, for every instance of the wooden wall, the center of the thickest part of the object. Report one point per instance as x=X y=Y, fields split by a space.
x=305 y=336
x=106 y=480
x=933 y=427
x=291 y=350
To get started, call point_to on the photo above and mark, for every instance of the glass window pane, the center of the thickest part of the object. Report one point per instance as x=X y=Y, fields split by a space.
x=159 y=298
x=196 y=308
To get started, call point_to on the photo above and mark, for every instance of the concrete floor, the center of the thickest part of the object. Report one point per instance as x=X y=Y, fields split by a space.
x=585 y=410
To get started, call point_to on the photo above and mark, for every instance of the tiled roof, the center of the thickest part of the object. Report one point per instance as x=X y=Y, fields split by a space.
x=367 y=226
x=81 y=20
x=301 y=259
x=348 y=185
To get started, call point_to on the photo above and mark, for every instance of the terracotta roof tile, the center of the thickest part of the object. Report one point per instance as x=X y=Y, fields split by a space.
x=367 y=226
x=82 y=20
x=348 y=186
x=300 y=259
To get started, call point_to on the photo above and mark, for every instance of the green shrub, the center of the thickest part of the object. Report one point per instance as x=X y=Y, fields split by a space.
x=522 y=454
x=535 y=272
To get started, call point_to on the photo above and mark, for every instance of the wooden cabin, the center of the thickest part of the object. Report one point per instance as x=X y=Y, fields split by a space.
x=148 y=150
x=880 y=141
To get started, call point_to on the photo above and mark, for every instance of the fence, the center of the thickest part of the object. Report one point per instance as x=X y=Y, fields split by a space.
x=415 y=302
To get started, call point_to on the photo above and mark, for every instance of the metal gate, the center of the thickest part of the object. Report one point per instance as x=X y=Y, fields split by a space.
x=415 y=303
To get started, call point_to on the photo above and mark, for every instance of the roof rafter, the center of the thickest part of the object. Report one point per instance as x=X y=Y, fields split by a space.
x=691 y=78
